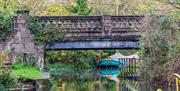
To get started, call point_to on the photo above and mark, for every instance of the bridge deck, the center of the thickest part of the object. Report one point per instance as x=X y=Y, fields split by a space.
x=92 y=45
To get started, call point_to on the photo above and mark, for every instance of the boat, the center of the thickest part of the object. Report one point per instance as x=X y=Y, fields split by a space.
x=109 y=62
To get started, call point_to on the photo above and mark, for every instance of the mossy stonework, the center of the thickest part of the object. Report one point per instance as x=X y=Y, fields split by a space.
x=31 y=34
x=22 y=42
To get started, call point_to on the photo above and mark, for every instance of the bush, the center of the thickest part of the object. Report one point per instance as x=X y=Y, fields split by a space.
x=161 y=55
x=6 y=79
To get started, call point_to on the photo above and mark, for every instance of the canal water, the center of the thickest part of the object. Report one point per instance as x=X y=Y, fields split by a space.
x=97 y=80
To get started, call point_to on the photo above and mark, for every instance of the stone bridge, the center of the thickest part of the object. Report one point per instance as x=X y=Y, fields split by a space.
x=96 y=32
x=82 y=32
x=88 y=32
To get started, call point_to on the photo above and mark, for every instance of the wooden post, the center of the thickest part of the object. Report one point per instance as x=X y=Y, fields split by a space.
x=117 y=85
x=177 y=84
x=117 y=7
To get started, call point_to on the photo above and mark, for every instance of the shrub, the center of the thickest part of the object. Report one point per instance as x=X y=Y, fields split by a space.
x=6 y=78
x=161 y=55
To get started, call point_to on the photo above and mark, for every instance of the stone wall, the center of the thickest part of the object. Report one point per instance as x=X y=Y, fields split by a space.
x=21 y=43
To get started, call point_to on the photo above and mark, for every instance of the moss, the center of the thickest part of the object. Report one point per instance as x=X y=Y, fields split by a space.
x=26 y=72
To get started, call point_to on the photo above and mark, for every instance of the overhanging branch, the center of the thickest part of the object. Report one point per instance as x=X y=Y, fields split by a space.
x=176 y=5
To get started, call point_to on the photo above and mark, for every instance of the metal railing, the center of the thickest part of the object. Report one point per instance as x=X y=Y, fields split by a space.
x=177 y=81
x=130 y=67
x=177 y=78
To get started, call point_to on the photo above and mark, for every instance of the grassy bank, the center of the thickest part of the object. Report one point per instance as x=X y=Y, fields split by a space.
x=25 y=72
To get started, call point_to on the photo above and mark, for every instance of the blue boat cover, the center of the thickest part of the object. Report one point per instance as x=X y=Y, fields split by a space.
x=113 y=62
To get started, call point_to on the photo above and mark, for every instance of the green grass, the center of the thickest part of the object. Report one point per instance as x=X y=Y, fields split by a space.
x=26 y=72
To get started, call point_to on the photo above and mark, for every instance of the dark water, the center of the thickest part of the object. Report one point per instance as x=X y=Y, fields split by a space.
x=97 y=80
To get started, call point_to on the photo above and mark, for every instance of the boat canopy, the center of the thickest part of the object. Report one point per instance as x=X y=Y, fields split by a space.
x=119 y=56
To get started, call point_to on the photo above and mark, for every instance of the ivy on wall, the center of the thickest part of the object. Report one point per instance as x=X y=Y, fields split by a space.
x=44 y=32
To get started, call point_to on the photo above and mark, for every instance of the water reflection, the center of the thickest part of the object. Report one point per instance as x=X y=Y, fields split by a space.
x=2 y=88
x=97 y=80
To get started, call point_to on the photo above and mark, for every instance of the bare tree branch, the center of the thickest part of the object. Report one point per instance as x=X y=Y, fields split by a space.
x=176 y=5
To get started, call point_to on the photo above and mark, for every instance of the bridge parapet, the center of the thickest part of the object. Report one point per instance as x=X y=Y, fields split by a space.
x=95 y=27
x=87 y=28
x=93 y=23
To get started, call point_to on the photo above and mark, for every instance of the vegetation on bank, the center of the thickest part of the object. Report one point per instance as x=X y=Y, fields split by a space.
x=78 y=59
x=10 y=76
x=160 y=50
x=6 y=79
x=27 y=69
x=25 y=72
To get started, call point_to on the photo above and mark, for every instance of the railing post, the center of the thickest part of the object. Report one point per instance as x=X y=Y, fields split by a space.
x=106 y=25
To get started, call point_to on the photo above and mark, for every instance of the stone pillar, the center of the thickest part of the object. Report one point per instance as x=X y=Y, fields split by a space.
x=22 y=42
x=25 y=37
x=106 y=24
x=18 y=42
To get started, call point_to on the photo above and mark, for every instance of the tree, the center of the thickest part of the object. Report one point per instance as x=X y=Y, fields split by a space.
x=81 y=8
x=7 y=11
x=44 y=8
x=131 y=7
x=160 y=50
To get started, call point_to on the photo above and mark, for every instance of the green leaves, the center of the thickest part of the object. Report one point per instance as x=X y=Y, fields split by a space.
x=80 y=59
x=45 y=32
x=7 y=11
x=81 y=8
x=5 y=24
x=5 y=76
x=163 y=23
